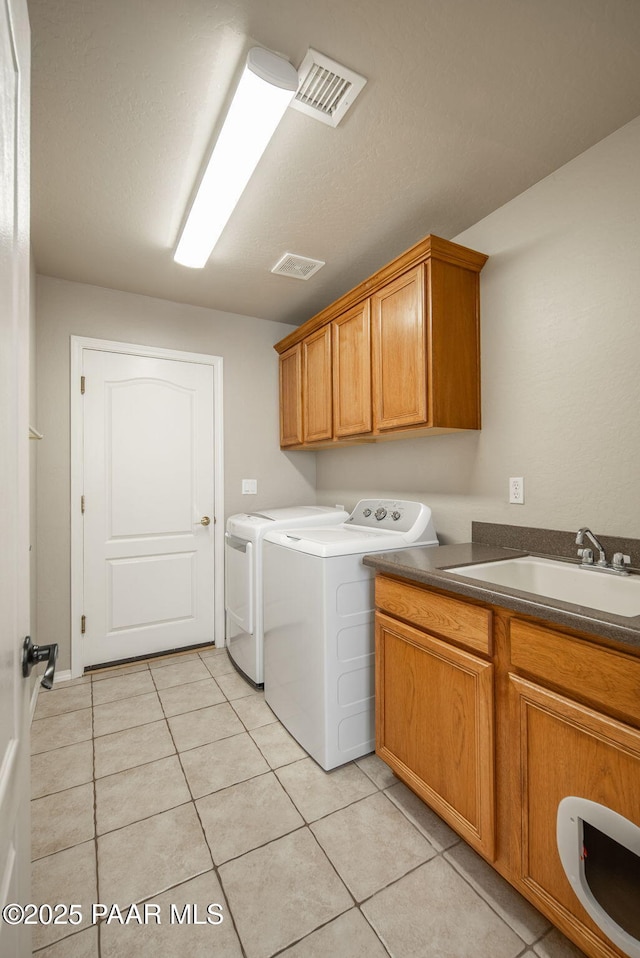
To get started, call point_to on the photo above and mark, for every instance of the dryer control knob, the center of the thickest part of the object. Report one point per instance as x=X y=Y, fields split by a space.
x=395 y=515
x=381 y=513
x=366 y=513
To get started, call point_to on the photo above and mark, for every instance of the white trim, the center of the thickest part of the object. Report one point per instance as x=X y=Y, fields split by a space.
x=78 y=345
x=35 y=692
x=62 y=677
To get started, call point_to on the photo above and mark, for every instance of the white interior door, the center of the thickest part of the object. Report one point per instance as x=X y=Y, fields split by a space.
x=14 y=472
x=148 y=501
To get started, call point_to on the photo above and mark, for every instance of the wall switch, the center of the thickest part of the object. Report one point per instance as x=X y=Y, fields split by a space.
x=516 y=490
x=249 y=487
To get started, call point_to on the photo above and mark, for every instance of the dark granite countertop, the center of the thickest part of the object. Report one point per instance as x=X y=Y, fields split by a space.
x=428 y=565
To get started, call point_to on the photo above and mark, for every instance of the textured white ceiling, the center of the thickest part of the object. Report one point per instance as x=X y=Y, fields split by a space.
x=468 y=103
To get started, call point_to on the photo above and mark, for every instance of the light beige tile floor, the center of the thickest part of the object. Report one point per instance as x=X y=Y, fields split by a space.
x=171 y=785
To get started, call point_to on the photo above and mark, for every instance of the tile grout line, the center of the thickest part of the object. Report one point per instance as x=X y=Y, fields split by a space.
x=214 y=867
x=438 y=854
x=490 y=904
x=355 y=903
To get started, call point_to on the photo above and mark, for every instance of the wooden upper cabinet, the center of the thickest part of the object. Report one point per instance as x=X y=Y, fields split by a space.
x=397 y=355
x=316 y=386
x=399 y=352
x=352 y=372
x=291 y=396
x=453 y=347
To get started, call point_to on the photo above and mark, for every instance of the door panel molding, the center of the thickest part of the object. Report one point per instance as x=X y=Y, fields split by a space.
x=78 y=345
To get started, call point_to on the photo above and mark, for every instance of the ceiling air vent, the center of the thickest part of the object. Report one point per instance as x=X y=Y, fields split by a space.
x=326 y=89
x=297 y=267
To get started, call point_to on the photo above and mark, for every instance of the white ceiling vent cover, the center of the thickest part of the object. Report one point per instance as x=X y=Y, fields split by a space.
x=326 y=89
x=297 y=267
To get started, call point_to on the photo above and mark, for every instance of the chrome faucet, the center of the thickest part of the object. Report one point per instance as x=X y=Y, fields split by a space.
x=587 y=554
x=618 y=564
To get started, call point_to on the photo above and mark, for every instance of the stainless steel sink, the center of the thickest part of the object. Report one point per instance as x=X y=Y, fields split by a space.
x=562 y=581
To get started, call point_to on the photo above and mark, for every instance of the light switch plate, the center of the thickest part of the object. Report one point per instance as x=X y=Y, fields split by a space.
x=249 y=487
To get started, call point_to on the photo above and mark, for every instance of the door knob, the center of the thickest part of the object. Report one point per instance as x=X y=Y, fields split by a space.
x=205 y=521
x=32 y=654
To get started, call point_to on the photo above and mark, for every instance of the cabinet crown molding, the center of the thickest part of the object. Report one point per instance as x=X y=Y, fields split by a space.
x=431 y=247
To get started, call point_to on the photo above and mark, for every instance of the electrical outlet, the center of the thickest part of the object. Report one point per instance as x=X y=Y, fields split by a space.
x=516 y=490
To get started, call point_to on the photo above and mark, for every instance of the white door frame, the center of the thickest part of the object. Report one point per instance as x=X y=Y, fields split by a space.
x=78 y=344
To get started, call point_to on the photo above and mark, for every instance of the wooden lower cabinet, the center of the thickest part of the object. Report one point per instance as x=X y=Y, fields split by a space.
x=565 y=749
x=494 y=741
x=434 y=726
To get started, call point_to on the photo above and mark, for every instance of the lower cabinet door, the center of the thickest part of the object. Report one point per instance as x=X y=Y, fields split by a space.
x=563 y=749
x=435 y=726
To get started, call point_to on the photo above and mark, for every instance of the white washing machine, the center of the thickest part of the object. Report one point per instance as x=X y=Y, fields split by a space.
x=243 y=577
x=318 y=624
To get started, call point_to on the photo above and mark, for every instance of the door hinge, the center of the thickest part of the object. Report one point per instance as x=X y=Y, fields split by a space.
x=83 y=625
x=82 y=504
x=82 y=384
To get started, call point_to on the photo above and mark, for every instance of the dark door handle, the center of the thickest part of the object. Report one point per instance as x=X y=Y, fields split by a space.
x=32 y=654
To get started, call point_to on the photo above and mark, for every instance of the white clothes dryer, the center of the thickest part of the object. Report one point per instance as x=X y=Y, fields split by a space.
x=318 y=624
x=243 y=577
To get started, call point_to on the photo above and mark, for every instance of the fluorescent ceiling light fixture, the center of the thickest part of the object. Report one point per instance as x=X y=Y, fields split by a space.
x=264 y=93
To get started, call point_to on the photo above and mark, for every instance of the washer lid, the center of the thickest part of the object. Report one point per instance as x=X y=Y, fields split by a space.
x=341 y=541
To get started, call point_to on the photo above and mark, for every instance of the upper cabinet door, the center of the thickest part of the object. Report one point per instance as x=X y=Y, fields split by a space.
x=352 y=372
x=291 y=397
x=400 y=352
x=316 y=385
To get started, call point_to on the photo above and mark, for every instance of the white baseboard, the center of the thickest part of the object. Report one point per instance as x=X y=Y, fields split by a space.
x=59 y=677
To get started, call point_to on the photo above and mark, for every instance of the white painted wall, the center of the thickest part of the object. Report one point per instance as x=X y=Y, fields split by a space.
x=250 y=412
x=561 y=366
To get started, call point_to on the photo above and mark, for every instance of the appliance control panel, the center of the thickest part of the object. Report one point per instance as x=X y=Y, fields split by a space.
x=395 y=515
